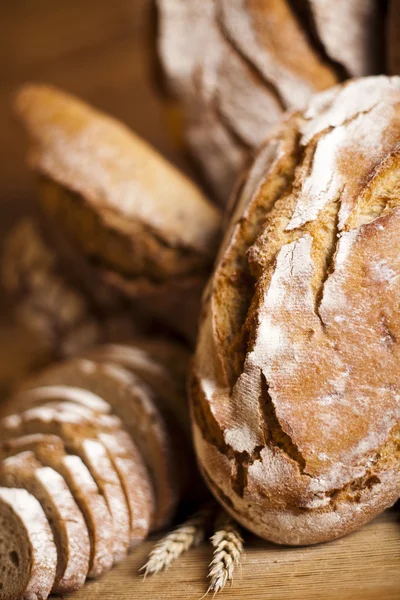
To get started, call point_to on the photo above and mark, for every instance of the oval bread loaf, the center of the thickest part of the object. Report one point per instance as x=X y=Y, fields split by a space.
x=295 y=384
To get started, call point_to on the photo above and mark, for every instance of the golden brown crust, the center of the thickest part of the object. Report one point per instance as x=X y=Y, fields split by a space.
x=22 y=470
x=295 y=382
x=117 y=213
x=123 y=188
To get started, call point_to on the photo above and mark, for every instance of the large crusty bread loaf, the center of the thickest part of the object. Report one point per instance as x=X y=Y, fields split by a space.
x=295 y=385
x=236 y=65
x=50 y=451
x=28 y=556
x=69 y=529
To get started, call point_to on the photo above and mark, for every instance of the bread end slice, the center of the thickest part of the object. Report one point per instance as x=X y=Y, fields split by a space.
x=28 y=555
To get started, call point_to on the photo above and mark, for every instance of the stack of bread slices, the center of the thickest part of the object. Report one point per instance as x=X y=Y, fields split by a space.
x=89 y=464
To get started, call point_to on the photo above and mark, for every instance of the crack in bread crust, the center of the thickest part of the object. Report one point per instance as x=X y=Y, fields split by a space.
x=297 y=375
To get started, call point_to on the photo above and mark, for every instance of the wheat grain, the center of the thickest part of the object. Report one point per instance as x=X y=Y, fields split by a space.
x=228 y=551
x=187 y=535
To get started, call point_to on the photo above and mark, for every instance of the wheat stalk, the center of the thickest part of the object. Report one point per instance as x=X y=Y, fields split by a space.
x=228 y=551
x=187 y=535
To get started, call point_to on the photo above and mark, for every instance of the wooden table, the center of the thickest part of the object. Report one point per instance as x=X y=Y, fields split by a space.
x=101 y=50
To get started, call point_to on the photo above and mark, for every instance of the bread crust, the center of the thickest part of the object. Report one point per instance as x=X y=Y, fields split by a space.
x=293 y=390
x=79 y=427
x=157 y=222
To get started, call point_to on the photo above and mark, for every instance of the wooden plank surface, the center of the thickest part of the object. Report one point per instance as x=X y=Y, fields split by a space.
x=101 y=50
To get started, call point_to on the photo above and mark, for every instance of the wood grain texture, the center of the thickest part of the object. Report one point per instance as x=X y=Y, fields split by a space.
x=364 y=565
x=101 y=51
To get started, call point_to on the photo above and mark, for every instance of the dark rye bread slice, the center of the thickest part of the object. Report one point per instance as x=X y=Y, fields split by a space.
x=78 y=427
x=126 y=458
x=295 y=387
x=28 y=556
x=50 y=451
x=135 y=403
x=66 y=521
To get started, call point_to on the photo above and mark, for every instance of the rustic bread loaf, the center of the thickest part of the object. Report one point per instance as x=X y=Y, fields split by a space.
x=78 y=427
x=51 y=304
x=28 y=556
x=66 y=521
x=294 y=391
x=50 y=451
x=237 y=65
x=141 y=226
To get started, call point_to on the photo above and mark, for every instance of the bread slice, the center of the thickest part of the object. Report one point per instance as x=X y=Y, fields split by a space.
x=28 y=556
x=78 y=427
x=126 y=458
x=50 y=451
x=65 y=519
x=134 y=402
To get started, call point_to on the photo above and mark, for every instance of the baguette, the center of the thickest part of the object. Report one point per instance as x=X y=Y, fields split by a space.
x=294 y=389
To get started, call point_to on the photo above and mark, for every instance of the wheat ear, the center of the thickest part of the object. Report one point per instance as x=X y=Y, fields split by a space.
x=187 y=535
x=228 y=551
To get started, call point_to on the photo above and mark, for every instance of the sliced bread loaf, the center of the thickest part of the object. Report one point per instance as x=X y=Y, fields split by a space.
x=50 y=451
x=66 y=521
x=78 y=427
x=134 y=402
x=124 y=454
x=28 y=556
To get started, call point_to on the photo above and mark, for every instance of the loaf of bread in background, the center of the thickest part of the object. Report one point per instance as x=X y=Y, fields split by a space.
x=236 y=65
x=296 y=379
x=115 y=210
